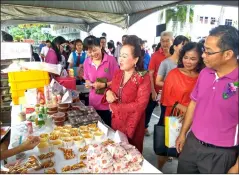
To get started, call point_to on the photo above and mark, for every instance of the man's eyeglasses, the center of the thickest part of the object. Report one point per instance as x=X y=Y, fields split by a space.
x=212 y=53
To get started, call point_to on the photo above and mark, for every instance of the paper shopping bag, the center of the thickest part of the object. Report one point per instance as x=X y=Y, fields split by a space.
x=172 y=130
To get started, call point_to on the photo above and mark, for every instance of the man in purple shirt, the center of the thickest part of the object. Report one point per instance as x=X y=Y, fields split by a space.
x=212 y=144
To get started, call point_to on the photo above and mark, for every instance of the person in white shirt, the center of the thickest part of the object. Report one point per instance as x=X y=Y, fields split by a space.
x=77 y=59
x=117 y=51
x=45 y=49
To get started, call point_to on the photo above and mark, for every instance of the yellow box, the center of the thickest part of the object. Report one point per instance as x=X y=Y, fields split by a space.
x=30 y=75
x=24 y=85
x=21 y=81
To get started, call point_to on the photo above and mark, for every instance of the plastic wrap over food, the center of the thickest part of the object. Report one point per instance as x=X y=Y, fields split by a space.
x=134 y=167
x=118 y=152
x=121 y=165
x=105 y=160
x=42 y=66
x=94 y=151
x=134 y=156
x=126 y=145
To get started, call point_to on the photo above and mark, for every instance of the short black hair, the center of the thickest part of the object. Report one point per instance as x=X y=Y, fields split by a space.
x=102 y=38
x=7 y=37
x=91 y=41
x=48 y=41
x=188 y=47
x=228 y=38
x=104 y=34
x=72 y=42
x=178 y=40
x=78 y=41
x=153 y=46
x=124 y=36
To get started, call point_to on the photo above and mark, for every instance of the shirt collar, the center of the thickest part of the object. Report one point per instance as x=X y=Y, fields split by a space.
x=105 y=59
x=232 y=75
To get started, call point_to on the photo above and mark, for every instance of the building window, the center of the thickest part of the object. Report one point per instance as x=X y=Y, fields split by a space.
x=213 y=20
x=201 y=19
x=206 y=20
x=228 y=22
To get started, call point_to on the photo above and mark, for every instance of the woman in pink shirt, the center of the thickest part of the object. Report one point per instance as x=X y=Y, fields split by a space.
x=99 y=69
x=54 y=56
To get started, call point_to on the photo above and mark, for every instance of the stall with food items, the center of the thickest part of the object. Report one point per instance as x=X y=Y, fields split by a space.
x=73 y=141
x=73 y=137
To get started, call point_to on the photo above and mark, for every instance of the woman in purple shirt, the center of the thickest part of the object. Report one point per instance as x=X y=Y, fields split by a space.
x=99 y=69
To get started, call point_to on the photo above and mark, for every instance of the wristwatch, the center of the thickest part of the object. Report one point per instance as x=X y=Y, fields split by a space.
x=106 y=85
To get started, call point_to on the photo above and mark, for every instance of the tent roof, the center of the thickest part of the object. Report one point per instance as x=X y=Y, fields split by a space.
x=86 y=14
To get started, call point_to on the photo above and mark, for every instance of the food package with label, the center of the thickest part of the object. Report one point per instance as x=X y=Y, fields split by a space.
x=121 y=165
x=133 y=155
x=116 y=151
x=134 y=167
x=126 y=145
x=104 y=160
x=94 y=151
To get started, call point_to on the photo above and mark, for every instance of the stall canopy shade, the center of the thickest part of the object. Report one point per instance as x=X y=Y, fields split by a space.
x=86 y=14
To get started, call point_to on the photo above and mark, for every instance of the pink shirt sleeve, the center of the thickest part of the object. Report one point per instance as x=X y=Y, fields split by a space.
x=194 y=94
x=51 y=57
x=86 y=64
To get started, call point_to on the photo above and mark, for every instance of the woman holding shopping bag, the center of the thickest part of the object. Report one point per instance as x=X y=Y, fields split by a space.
x=129 y=93
x=180 y=82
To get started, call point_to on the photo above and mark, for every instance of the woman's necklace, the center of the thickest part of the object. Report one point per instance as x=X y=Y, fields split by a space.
x=122 y=86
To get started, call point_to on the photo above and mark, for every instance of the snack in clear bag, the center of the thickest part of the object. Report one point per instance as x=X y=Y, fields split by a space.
x=126 y=145
x=105 y=159
x=133 y=155
x=134 y=167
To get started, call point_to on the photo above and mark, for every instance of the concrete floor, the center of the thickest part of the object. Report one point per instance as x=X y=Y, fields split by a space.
x=148 y=152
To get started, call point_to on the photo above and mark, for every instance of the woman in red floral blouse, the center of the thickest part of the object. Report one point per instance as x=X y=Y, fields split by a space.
x=129 y=93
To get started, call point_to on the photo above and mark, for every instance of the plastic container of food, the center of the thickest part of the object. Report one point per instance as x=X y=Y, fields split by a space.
x=59 y=117
x=78 y=140
x=52 y=107
x=63 y=109
x=83 y=133
x=59 y=123
x=58 y=128
x=68 y=142
x=67 y=127
x=83 y=128
x=51 y=112
x=44 y=135
x=53 y=137
x=98 y=136
x=56 y=144
x=43 y=147
x=65 y=131
x=88 y=138
x=64 y=105
x=64 y=135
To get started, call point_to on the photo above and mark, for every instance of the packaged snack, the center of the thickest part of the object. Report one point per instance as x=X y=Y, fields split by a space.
x=105 y=160
x=133 y=155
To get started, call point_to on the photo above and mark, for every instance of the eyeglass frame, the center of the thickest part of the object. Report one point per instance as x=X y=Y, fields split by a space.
x=212 y=53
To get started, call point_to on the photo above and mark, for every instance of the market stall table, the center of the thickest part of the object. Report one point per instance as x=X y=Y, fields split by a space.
x=146 y=167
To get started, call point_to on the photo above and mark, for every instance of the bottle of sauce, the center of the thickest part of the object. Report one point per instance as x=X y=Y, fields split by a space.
x=41 y=121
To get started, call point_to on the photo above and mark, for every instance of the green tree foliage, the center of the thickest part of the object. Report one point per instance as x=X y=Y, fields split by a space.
x=30 y=31
x=179 y=14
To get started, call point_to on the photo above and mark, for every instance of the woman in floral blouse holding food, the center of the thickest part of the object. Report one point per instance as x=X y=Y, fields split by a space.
x=129 y=93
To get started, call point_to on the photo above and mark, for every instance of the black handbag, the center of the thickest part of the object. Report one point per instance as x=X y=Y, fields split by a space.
x=159 y=141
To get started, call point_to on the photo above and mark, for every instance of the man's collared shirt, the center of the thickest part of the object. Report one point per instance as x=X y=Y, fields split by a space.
x=215 y=119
